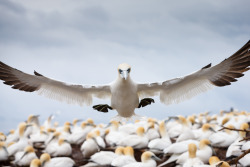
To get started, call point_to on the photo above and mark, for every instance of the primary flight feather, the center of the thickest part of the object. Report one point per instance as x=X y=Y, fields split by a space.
x=125 y=94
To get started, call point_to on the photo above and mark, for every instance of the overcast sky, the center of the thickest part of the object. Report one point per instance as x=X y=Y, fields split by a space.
x=83 y=42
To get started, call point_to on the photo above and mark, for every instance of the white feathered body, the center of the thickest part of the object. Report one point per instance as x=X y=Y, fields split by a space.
x=124 y=97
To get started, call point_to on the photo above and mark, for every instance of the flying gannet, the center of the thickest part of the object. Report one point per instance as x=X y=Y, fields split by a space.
x=124 y=93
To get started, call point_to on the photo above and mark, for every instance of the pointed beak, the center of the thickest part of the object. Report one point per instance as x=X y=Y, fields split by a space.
x=25 y=153
x=156 y=158
x=124 y=74
x=211 y=129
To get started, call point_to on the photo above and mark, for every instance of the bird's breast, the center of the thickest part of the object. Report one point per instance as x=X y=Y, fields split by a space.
x=124 y=99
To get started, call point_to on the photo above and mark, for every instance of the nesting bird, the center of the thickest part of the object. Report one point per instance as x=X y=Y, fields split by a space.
x=24 y=158
x=147 y=159
x=47 y=161
x=125 y=94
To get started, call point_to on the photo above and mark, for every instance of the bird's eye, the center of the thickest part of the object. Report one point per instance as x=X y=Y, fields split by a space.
x=120 y=71
x=129 y=70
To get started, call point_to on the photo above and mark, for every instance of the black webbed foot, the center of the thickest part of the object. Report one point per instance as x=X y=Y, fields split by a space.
x=102 y=107
x=146 y=101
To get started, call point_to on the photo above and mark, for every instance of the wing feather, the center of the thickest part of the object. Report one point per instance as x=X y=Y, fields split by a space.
x=70 y=93
x=180 y=89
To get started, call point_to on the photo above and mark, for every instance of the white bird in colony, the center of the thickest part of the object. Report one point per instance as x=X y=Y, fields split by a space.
x=235 y=149
x=34 y=121
x=125 y=159
x=186 y=131
x=152 y=132
x=79 y=134
x=147 y=160
x=90 y=146
x=100 y=141
x=192 y=159
x=128 y=128
x=22 y=142
x=24 y=158
x=61 y=148
x=204 y=132
x=47 y=161
x=52 y=139
x=35 y=163
x=223 y=139
x=160 y=143
x=12 y=136
x=3 y=152
x=2 y=137
x=104 y=158
x=39 y=137
x=76 y=127
x=47 y=123
x=101 y=158
x=203 y=153
x=137 y=141
x=244 y=161
x=114 y=135
x=124 y=93
x=177 y=149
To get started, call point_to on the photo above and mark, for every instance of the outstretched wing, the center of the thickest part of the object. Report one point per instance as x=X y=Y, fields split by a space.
x=222 y=74
x=75 y=94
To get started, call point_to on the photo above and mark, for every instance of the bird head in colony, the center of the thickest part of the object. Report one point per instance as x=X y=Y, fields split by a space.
x=124 y=70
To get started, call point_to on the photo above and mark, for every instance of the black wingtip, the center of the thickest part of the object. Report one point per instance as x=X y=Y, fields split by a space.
x=207 y=66
x=37 y=74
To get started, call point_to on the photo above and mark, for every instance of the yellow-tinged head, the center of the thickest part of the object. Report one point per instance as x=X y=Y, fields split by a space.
x=192 y=150
x=230 y=127
x=75 y=121
x=162 y=129
x=191 y=119
x=2 y=144
x=147 y=155
x=206 y=127
x=182 y=120
x=12 y=131
x=51 y=130
x=29 y=149
x=214 y=160
x=129 y=151
x=119 y=150
x=225 y=120
x=83 y=125
x=151 y=125
x=31 y=118
x=97 y=133
x=140 y=131
x=67 y=124
x=61 y=141
x=243 y=126
x=90 y=121
x=203 y=143
x=107 y=131
x=114 y=125
x=35 y=163
x=56 y=124
x=22 y=127
x=56 y=134
x=66 y=128
x=90 y=135
x=45 y=157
